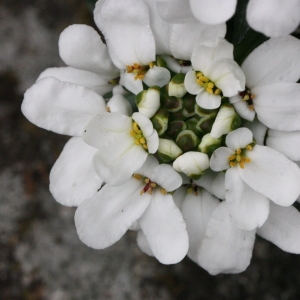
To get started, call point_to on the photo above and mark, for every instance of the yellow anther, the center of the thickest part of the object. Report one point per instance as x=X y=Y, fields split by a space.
x=151 y=65
x=147 y=180
x=198 y=74
x=246 y=97
x=145 y=146
x=150 y=191
x=142 y=140
x=108 y=109
x=153 y=184
x=231 y=157
x=163 y=191
x=249 y=147
x=238 y=158
x=210 y=85
x=247 y=160
x=232 y=164
x=217 y=92
x=132 y=133
x=137 y=176
x=241 y=164
x=238 y=151
x=190 y=190
x=136 y=128
x=137 y=142
x=252 y=96
x=251 y=107
x=209 y=90
x=136 y=65
x=204 y=78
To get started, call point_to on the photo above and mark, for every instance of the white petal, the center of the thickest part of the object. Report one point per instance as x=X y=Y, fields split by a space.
x=118 y=103
x=282 y=228
x=210 y=51
x=174 y=65
x=73 y=178
x=128 y=81
x=271 y=62
x=213 y=11
x=239 y=138
x=80 y=47
x=91 y=80
x=191 y=163
x=218 y=186
x=97 y=15
x=165 y=176
x=219 y=159
x=148 y=101
x=175 y=11
x=247 y=208
x=273 y=18
x=190 y=83
x=103 y=219
x=242 y=108
x=272 y=174
x=148 y=167
x=225 y=248
x=61 y=107
x=164 y=228
x=207 y=100
x=157 y=76
x=206 y=180
x=185 y=37
x=127 y=32
x=227 y=76
x=278 y=106
x=196 y=211
x=119 y=157
x=143 y=243
x=259 y=131
x=288 y=143
x=179 y=196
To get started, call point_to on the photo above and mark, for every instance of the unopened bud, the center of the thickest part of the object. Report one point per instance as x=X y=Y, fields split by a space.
x=209 y=144
x=187 y=140
x=205 y=124
x=160 y=121
x=192 y=125
x=226 y=121
x=148 y=101
x=202 y=112
x=170 y=103
x=168 y=150
x=176 y=86
x=174 y=128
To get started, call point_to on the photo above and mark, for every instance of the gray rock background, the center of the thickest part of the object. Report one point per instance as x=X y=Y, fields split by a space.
x=41 y=256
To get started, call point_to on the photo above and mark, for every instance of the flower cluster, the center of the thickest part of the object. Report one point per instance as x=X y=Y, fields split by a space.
x=170 y=136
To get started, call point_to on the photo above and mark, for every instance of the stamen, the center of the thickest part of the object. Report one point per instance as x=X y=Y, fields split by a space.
x=137 y=176
x=163 y=191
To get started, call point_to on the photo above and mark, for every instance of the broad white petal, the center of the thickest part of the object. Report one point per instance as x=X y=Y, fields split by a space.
x=179 y=196
x=148 y=167
x=243 y=110
x=259 y=131
x=210 y=51
x=218 y=186
x=277 y=105
x=61 y=107
x=80 y=47
x=227 y=76
x=273 y=18
x=174 y=65
x=91 y=80
x=164 y=228
x=219 y=160
x=225 y=248
x=143 y=243
x=288 y=143
x=73 y=178
x=103 y=219
x=271 y=62
x=282 y=228
x=185 y=37
x=206 y=180
x=247 y=208
x=175 y=11
x=239 y=138
x=165 y=176
x=132 y=85
x=213 y=11
x=127 y=32
x=190 y=83
x=272 y=174
x=157 y=76
x=118 y=103
x=207 y=100
x=196 y=211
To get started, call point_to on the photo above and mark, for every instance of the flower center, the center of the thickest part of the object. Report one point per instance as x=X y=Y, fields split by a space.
x=239 y=157
x=139 y=70
x=138 y=136
x=193 y=188
x=150 y=185
x=247 y=96
x=209 y=86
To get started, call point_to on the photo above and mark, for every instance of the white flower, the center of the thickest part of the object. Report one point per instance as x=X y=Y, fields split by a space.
x=123 y=142
x=254 y=175
x=272 y=93
x=273 y=17
x=209 y=12
x=215 y=73
x=131 y=45
x=103 y=219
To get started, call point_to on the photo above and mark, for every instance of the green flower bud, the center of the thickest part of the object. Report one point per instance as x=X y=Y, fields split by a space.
x=202 y=112
x=174 y=128
x=160 y=62
x=189 y=103
x=192 y=125
x=160 y=121
x=176 y=86
x=187 y=140
x=168 y=150
x=148 y=101
x=226 y=121
x=205 y=124
x=170 y=103
x=209 y=144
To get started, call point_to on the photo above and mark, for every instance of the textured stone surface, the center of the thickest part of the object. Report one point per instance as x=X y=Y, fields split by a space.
x=41 y=256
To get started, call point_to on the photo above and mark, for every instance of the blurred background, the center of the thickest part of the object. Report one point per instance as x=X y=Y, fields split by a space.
x=41 y=256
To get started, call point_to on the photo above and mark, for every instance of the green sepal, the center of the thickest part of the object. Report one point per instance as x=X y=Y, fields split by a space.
x=187 y=140
x=160 y=121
